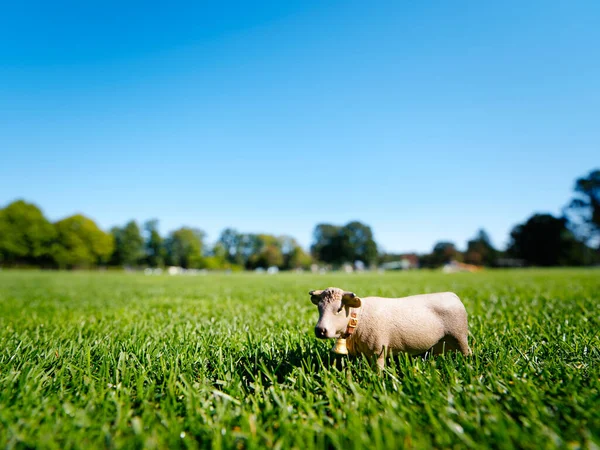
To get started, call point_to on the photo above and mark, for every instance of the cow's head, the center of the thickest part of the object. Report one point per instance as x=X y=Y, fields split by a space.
x=334 y=311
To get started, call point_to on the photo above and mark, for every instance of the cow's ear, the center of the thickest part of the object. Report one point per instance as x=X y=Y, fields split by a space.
x=350 y=299
x=315 y=296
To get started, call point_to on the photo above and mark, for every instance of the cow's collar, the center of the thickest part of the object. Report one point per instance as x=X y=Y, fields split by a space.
x=352 y=323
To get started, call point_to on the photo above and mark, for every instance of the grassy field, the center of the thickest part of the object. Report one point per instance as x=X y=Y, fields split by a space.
x=101 y=360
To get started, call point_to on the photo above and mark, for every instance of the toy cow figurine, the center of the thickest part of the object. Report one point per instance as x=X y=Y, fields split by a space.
x=376 y=326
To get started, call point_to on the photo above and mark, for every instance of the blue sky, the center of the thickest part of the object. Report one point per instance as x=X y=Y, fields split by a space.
x=426 y=120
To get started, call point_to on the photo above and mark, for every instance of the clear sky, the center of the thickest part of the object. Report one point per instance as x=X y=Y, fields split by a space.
x=424 y=119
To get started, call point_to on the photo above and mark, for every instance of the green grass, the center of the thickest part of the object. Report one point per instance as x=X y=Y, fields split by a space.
x=112 y=360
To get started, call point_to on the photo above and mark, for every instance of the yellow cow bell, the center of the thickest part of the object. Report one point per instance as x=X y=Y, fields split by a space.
x=340 y=347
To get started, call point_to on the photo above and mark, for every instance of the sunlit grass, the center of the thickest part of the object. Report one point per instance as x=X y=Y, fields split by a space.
x=121 y=360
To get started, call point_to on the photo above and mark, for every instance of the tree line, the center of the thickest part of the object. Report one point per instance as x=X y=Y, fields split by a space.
x=28 y=238
x=572 y=239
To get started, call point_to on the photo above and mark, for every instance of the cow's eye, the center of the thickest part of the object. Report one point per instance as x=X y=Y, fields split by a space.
x=340 y=310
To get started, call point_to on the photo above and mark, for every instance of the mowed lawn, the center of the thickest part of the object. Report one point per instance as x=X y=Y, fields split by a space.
x=116 y=360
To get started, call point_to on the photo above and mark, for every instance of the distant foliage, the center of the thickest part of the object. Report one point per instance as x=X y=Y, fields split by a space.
x=253 y=251
x=545 y=240
x=444 y=252
x=337 y=245
x=480 y=250
x=80 y=243
x=26 y=236
x=154 y=245
x=529 y=240
x=184 y=248
x=583 y=211
x=28 y=239
x=129 y=245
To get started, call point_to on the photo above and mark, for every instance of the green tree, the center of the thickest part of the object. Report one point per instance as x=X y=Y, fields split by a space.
x=230 y=241
x=184 y=248
x=249 y=245
x=155 y=248
x=260 y=250
x=545 y=240
x=361 y=242
x=297 y=258
x=220 y=252
x=26 y=236
x=80 y=243
x=583 y=212
x=337 y=245
x=326 y=243
x=443 y=252
x=294 y=257
x=129 y=245
x=269 y=256
x=216 y=258
x=266 y=251
x=480 y=250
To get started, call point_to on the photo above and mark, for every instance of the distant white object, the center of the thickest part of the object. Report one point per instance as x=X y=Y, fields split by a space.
x=174 y=270
x=259 y=270
x=272 y=270
x=359 y=266
x=347 y=268
x=406 y=262
x=456 y=266
x=450 y=268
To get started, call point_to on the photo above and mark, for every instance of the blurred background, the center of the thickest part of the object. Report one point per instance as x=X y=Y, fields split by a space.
x=299 y=135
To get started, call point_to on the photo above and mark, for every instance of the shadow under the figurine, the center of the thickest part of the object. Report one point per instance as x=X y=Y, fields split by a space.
x=276 y=365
